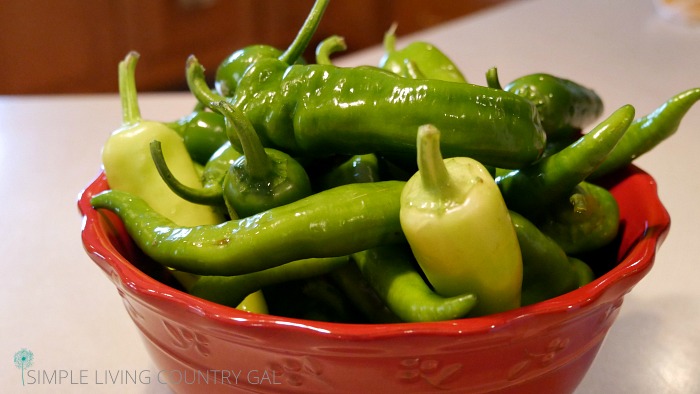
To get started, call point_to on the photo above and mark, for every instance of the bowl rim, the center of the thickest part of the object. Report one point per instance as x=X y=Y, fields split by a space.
x=609 y=286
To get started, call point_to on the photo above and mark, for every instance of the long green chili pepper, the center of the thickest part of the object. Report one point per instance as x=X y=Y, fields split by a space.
x=359 y=291
x=648 y=131
x=232 y=290
x=322 y=110
x=547 y=270
x=334 y=222
x=418 y=58
x=531 y=189
x=588 y=220
x=391 y=271
x=329 y=46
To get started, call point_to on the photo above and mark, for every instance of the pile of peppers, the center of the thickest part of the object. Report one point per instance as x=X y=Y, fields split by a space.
x=396 y=192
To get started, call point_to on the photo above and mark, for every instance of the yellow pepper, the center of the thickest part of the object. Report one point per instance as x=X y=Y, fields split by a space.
x=459 y=228
x=128 y=166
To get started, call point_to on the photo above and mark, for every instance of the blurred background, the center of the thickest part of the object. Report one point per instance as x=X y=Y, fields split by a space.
x=74 y=46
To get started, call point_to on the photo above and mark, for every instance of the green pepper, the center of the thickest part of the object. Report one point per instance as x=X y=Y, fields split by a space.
x=532 y=189
x=547 y=271
x=322 y=110
x=418 y=59
x=334 y=222
x=585 y=221
x=357 y=169
x=364 y=298
x=648 y=131
x=565 y=107
x=231 y=70
x=256 y=181
x=232 y=290
x=458 y=226
x=127 y=161
x=204 y=133
x=262 y=178
x=392 y=274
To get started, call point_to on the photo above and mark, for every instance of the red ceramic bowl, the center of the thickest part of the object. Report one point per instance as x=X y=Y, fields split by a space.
x=545 y=347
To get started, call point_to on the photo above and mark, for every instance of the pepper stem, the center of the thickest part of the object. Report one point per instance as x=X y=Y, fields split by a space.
x=213 y=195
x=389 y=41
x=197 y=83
x=432 y=169
x=302 y=39
x=131 y=113
x=329 y=46
x=492 y=79
x=257 y=162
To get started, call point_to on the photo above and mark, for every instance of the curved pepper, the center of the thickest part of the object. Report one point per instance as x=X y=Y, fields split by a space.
x=531 y=189
x=334 y=222
x=588 y=220
x=418 y=59
x=363 y=297
x=322 y=109
x=126 y=153
x=392 y=274
x=232 y=290
x=565 y=107
x=547 y=270
x=459 y=229
x=648 y=131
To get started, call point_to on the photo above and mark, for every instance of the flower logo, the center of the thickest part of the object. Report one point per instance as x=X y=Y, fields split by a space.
x=24 y=359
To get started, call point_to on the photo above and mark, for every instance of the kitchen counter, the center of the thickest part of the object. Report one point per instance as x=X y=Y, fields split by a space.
x=60 y=307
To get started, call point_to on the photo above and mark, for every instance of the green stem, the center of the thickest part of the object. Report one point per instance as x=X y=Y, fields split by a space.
x=197 y=83
x=329 y=46
x=213 y=195
x=302 y=39
x=492 y=80
x=389 y=41
x=431 y=166
x=257 y=163
x=131 y=113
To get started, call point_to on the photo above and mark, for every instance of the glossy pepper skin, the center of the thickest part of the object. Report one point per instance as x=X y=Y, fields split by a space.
x=459 y=229
x=323 y=109
x=261 y=178
x=547 y=270
x=257 y=180
x=585 y=221
x=391 y=272
x=420 y=58
x=356 y=169
x=565 y=107
x=648 y=131
x=532 y=189
x=335 y=222
x=231 y=70
x=126 y=153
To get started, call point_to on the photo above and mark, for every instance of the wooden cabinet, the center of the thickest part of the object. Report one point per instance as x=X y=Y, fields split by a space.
x=73 y=46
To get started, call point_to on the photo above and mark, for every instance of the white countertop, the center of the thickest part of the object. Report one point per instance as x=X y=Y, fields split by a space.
x=61 y=307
